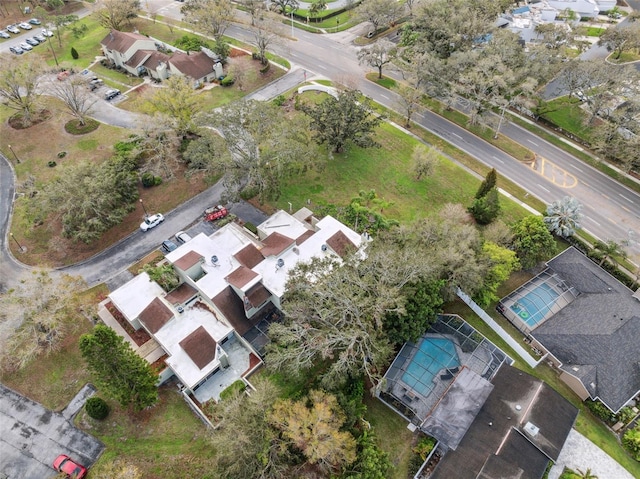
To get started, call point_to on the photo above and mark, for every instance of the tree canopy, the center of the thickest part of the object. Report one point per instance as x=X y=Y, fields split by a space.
x=563 y=216
x=532 y=241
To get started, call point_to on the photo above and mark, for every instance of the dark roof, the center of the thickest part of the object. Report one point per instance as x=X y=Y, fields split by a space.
x=496 y=446
x=240 y=276
x=232 y=308
x=193 y=65
x=275 y=243
x=249 y=256
x=304 y=237
x=181 y=294
x=138 y=58
x=121 y=41
x=155 y=59
x=155 y=315
x=257 y=295
x=188 y=260
x=595 y=333
x=200 y=347
x=340 y=244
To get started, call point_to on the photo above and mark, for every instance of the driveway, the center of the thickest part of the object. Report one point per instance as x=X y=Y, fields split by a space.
x=31 y=437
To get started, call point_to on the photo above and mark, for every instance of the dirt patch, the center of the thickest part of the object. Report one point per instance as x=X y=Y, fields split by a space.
x=17 y=121
x=235 y=53
x=139 y=337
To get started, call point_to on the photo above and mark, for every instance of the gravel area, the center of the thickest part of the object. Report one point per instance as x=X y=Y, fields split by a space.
x=580 y=453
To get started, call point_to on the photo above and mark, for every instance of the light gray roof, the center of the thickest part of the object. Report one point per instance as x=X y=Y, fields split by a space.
x=597 y=332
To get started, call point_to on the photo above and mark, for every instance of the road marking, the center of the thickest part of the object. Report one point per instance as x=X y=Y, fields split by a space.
x=498 y=159
x=605 y=196
x=612 y=221
x=456 y=135
x=419 y=114
x=625 y=208
x=594 y=221
x=586 y=184
x=385 y=97
x=543 y=188
x=630 y=201
x=322 y=67
x=575 y=167
x=532 y=142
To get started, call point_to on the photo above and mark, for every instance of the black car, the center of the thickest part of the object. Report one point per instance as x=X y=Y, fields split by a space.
x=16 y=50
x=169 y=246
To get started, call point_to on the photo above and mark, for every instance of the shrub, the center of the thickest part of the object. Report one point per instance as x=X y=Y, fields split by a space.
x=625 y=415
x=157 y=181
x=600 y=410
x=234 y=388
x=279 y=100
x=51 y=164
x=227 y=81
x=255 y=56
x=74 y=53
x=251 y=227
x=97 y=408
x=62 y=154
x=631 y=440
x=147 y=180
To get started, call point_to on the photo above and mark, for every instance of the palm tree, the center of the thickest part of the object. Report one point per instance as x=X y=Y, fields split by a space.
x=563 y=217
x=317 y=7
x=586 y=474
x=608 y=250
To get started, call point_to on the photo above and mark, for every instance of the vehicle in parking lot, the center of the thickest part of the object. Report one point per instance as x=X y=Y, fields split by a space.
x=4 y=34
x=16 y=50
x=13 y=29
x=68 y=466
x=40 y=38
x=35 y=21
x=169 y=246
x=215 y=213
x=151 y=221
x=46 y=33
x=96 y=81
x=111 y=94
x=32 y=41
x=25 y=46
x=25 y=26
x=182 y=237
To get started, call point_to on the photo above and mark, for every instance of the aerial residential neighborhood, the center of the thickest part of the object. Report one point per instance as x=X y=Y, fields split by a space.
x=320 y=239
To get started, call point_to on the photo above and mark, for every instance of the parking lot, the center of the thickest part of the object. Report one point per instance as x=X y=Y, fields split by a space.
x=31 y=437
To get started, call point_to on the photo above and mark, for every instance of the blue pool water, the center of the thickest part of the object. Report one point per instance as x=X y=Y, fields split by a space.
x=532 y=307
x=433 y=355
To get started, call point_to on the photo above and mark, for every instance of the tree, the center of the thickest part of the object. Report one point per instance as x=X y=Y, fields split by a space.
x=555 y=35
x=486 y=208
x=563 y=216
x=378 y=12
x=211 y=16
x=532 y=241
x=114 y=13
x=342 y=120
x=378 y=55
x=262 y=148
x=178 y=101
x=285 y=6
x=118 y=370
x=586 y=474
x=502 y=262
x=263 y=38
x=631 y=441
x=40 y=311
x=317 y=7
x=424 y=302
x=621 y=38
x=202 y=153
x=163 y=274
x=425 y=160
x=19 y=82
x=372 y=462
x=76 y=98
x=156 y=150
x=489 y=182
x=313 y=425
x=410 y=99
x=608 y=249
x=255 y=8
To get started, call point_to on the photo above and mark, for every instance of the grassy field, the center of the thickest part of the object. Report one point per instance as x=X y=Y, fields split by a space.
x=567 y=114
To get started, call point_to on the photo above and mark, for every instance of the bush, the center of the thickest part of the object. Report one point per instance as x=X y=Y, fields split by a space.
x=234 y=388
x=147 y=180
x=74 y=53
x=157 y=181
x=227 y=81
x=62 y=154
x=255 y=56
x=631 y=440
x=600 y=410
x=251 y=227
x=97 y=408
x=279 y=100
x=51 y=164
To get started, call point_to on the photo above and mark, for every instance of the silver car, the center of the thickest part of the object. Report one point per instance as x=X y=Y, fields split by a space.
x=26 y=47
x=4 y=34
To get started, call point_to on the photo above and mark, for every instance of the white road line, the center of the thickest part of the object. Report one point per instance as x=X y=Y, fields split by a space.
x=322 y=67
x=543 y=188
x=419 y=114
x=498 y=159
x=586 y=184
x=532 y=142
x=456 y=135
x=594 y=221
x=385 y=97
x=630 y=201
x=576 y=168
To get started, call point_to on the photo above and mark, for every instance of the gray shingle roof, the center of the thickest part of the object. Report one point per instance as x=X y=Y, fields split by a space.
x=597 y=332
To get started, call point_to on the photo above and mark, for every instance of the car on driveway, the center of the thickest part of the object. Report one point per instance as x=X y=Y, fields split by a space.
x=182 y=237
x=25 y=26
x=16 y=50
x=168 y=246
x=111 y=94
x=151 y=221
x=4 y=34
x=35 y=21
x=26 y=47
x=13 y=29
x=68 y=466
x=32 y=41
x=46 y=33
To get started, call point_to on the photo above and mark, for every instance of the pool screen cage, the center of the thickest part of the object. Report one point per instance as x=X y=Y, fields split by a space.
x=475 y=352
x=547 y=306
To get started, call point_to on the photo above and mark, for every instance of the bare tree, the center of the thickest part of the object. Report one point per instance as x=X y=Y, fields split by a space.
x=409 y=101
x=264 y=36
x=255 y=8
x=378 y=55
x=114 y=13
x=158 y=148
x=19 y=82
x=76 y=97
x=212 y=16
x=379 y=12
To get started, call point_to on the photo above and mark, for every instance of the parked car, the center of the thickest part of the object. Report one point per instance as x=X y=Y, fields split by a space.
x=46 y=33
x=4 y=34
x=168 y=246
x=96 y=81
x=35 y=21
x=111 y=94
x=16 y=50
x=40 y=38
x=25 y=26
x=32 y=41
x=26 y=47
x=68 y=466
x=151 y=222
x=215 y=213
x=13 y=29
x=182 y=237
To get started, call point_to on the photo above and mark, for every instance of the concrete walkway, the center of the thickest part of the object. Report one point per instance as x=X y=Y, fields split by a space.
x=580 y=453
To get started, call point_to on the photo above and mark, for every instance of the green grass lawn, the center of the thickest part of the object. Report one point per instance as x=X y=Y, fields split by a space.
x=567 y=114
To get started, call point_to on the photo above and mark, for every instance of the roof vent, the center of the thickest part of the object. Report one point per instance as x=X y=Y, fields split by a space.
x=324 y=247
x=296 y=250
x=279 y=264
x=180 y=309
x=214 y=260
x=531 y=429
x=518 y=407
x=575 y=368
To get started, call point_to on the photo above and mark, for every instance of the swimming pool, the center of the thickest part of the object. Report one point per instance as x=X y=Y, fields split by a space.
x=534 y=306
x=433 y=355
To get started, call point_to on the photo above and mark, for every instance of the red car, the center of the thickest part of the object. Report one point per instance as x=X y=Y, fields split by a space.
x=215 y=213
x=65 y=464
